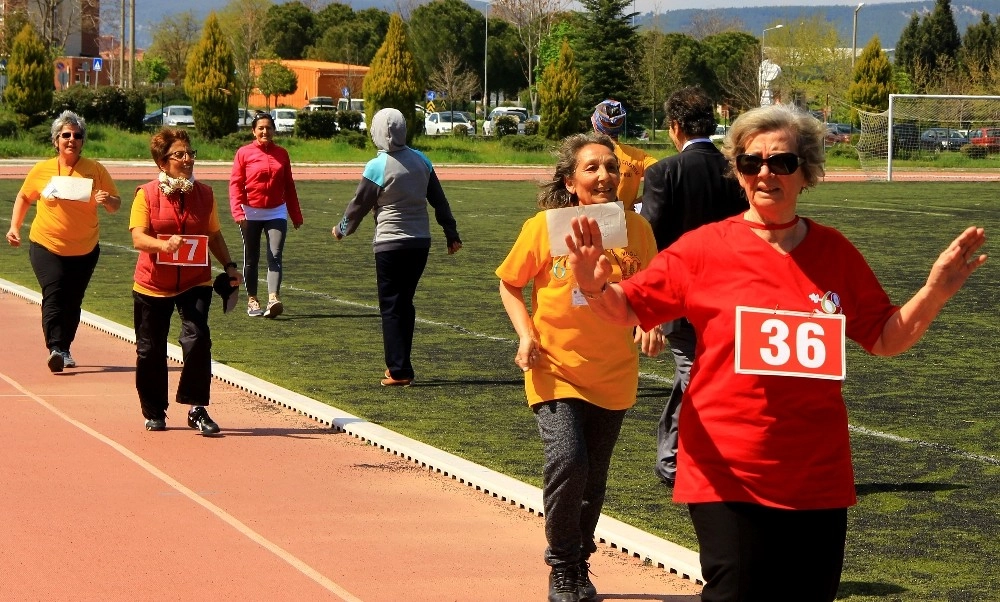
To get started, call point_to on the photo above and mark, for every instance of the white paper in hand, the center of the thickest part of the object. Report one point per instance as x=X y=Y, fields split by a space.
x=610 y=218
x=69 y=188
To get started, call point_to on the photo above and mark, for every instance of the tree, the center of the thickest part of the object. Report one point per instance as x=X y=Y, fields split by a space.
x=648 y=71
x=152 y=70
x=941 y=40
x=210 y=83
x=812 y=65
x=979 y=46
x=606 y=42
x=734 y=58
x=289 y=29
x=173 y=38
x=57 y=20
x=242 y=22
x=505 y=60
x=908 y=45
x=276 y=80
x=393 y=80
x=12 y=23
x=872 y=81
x=532 y=20
x=447 y=26
x=454 y=81
x=29 y=76
x=708 y=23
x=353 y=40
x=559 y=91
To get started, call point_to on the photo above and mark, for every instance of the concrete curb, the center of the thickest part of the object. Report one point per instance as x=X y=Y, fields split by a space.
x=629 y=540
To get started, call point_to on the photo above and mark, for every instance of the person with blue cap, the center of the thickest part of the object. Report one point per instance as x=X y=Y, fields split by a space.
x=609 y=119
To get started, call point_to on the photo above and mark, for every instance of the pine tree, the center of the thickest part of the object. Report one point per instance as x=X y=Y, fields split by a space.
x=29 y=77
x=942 y=42
x=559 y=92
x=607 y=43
x=907 y=48
x=393 y=79
x=210 y=82
x=872 y=81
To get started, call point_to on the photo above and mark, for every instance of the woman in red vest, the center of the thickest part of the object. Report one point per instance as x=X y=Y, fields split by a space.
x=175 y=226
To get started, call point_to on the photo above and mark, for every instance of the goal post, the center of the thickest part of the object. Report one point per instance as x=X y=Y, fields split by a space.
x=926 y=131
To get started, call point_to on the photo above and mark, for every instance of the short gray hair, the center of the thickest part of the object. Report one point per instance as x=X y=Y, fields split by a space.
x=809 y=134
x=68 y=118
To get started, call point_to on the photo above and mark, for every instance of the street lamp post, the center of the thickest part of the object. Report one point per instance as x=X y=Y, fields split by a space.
x=486 y=60
x=760 y=72
x=854 y=37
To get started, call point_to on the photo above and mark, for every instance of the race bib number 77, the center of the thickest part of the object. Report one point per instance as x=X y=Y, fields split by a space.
x=192 y=252
x=790 y=343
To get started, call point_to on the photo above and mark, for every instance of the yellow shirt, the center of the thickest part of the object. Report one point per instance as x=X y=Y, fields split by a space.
x=138 y=217
x=581 y=355
x=632 y=162
x=67 y=228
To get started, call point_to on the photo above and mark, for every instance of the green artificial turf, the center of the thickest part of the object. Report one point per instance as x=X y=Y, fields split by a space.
x=926 y=451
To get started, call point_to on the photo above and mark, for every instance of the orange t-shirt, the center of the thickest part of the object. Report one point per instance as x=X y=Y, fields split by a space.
x=68 y=228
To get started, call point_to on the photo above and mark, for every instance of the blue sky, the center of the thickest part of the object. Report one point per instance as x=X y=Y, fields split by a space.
x=664 y=5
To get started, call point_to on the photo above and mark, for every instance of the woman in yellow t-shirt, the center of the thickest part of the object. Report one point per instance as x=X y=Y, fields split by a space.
x=580 y=375
x=63 y=247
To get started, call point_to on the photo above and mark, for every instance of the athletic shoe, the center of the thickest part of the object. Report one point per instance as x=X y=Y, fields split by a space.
x=156 y=424
x=68 y=361
x=585 y=587
x=253 y=308
x=274 y=308
x=562 y=584
x=199 y=419
x=56 y=360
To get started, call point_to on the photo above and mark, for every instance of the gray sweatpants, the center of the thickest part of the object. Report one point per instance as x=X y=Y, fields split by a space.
x=578 y=438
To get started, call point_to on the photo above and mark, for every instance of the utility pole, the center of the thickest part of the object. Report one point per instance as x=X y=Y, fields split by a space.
x=121 y=48
x=131 y=45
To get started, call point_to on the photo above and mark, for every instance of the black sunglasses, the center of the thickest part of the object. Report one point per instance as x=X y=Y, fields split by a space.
x=780 y=164
x=68 y=135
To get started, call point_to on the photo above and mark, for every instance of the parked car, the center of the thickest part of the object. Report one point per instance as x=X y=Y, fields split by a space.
x=284 y=120
x=320 y=103
x=838 y=133
x=153 y=119
x=245 y=118
x=988 y=137
x=354 y=104
x=443 y=122
x=178 y=116
x=720 y=133
x=905 y=136
x=942 y=139
x=520 y=112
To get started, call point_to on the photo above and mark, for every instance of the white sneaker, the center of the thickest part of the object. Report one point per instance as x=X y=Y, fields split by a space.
x=253 y=308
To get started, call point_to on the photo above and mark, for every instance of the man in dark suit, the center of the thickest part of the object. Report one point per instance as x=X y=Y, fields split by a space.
x=682 y=192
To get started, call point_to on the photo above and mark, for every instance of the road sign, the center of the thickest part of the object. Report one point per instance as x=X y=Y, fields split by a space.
x=431 y=95
x=3 y=63
x=98 y=64
x=430 y=107
x=60 y=66
x=345 y=92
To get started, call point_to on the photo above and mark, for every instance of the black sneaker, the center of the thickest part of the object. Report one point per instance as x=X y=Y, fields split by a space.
x=584 y=586
x=56 y=360
x=199 y=419
x=563 y=584
x=156 y=424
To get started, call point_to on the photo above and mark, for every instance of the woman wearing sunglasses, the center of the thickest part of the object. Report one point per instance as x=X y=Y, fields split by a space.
x=63 y=247
x=175 y=227
x=764 y=460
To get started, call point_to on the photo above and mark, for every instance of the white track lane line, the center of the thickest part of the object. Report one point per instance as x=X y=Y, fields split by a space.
x=229 y=519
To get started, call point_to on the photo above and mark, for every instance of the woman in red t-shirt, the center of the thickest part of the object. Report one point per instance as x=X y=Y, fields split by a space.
x=764 y=460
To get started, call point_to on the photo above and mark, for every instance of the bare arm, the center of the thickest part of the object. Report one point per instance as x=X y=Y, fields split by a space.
x=142 y=241
x=527 y=348
x=592 y=269
x=110 y=202
x=948 y=275
x=217 y=245
x=21 y=205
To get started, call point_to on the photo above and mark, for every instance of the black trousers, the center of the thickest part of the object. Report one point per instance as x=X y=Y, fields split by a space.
x=151 y=316
x=752 y=553
x=398 y=273
x=64 y=281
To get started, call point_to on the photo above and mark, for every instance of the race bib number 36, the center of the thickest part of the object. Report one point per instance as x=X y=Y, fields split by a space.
x=192 y=252
x=790 y=343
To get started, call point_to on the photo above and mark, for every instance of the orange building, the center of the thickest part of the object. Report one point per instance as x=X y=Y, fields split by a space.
x=316 y=78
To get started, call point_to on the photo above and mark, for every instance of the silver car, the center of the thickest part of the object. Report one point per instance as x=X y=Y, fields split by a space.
x=178 y=116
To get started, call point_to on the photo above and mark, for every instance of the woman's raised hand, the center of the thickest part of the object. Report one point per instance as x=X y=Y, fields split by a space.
x=586 y=255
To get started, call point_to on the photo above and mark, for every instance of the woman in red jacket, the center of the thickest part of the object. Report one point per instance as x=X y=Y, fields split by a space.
x=175 y=226
x=262 y=196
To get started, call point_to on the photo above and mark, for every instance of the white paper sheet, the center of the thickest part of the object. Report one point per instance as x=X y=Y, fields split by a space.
x=610 y=218
x=69 y=188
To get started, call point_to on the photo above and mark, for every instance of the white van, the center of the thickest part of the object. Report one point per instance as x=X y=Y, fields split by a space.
x=520 y=112
x=284 y=120
x=354 y=104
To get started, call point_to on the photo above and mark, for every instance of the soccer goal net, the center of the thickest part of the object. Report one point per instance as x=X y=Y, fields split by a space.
x=920 y=134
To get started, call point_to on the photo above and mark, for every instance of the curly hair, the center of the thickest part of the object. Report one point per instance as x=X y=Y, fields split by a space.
x=553 y=193
x=163 y=140
x=692 y=109
x=807 y=130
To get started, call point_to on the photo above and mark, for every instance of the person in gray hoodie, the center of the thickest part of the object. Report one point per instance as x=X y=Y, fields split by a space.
x=396 y=187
